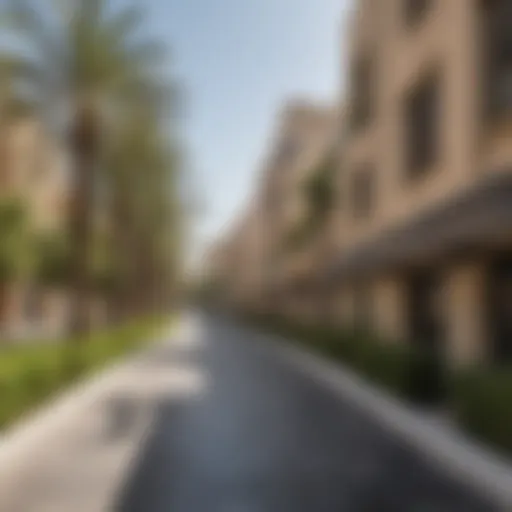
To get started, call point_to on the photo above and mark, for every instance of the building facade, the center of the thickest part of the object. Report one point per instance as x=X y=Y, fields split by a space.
x=417 y=247
x=254 y=261
x=425 y=226
x=304 y=137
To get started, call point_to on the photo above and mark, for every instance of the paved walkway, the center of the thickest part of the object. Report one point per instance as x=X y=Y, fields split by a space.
x=218 y=423
x=74 y=456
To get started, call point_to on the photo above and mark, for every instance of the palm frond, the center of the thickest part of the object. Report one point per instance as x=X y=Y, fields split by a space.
x=146 y=54
x=23 y=18
x=93 y=11
x=17 y=67
x=124 y=24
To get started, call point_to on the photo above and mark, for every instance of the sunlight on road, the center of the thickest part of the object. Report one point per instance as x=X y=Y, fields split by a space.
x=179 y=380
x=191 y=333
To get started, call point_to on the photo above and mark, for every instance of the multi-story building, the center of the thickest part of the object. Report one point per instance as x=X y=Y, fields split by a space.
x=255 y=261
x=230 y=263
x=304 y=136
x=243 y=269
x=425 y=196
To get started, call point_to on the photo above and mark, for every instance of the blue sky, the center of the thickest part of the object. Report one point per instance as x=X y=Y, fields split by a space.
x=238 y=60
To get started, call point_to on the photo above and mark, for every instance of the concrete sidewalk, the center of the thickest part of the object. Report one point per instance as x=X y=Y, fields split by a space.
x=74 y=454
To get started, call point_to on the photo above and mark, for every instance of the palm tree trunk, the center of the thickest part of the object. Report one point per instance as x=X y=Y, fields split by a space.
x=80 y=224
x=85 y=141
x=3 y=306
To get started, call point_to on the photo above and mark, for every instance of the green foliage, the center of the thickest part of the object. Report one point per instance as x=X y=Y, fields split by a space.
x=403 y=369
x=98 y=57
x=29 y=375
x=318 y=194
x=53 y=259
x=482 y=398
x=428 y=377
x=15 y=254
x=385 y=363
x=143 y=176
x=104 y=273
x=81 y=48
x=319 y=190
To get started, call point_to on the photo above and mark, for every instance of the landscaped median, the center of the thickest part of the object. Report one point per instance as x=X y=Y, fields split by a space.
x=480 y=398
x=31 y=374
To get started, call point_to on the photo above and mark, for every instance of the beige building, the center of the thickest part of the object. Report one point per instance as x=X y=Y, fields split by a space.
x=425 y=196
x=304 y=137
x=418 y=245
x=254 y=261
x=240 y=266
x=229 y=264
x=34 y=170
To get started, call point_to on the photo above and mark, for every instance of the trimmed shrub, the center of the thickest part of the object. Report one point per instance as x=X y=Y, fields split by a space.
x=482 y=399
x=405 y=370
x=388 y=365
x=427 y=377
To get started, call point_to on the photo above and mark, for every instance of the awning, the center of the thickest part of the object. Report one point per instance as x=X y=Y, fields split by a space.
x=476 y=217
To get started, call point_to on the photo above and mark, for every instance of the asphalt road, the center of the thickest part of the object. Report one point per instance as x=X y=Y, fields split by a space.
x=254 y=434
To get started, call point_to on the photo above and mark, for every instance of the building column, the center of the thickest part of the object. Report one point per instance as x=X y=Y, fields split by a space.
x=465 y=307
x=389 y=309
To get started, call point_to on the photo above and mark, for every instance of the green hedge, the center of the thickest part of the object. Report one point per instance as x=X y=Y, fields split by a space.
x=30 y=374
x=405 y=370
x=482 y=399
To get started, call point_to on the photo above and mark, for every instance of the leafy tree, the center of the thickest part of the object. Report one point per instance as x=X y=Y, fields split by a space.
x=53 y=265
x=15 y=254
x=318 y=194
x=319 y=191
x=84 y=59
x=143 y=181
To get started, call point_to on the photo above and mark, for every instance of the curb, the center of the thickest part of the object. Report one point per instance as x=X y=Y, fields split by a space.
x=444 y=446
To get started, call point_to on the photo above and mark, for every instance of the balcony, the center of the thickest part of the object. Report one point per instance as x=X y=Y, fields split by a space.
x=475 y=220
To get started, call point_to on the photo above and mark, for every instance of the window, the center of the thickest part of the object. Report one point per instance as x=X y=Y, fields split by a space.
x=422 y=127
x=363 y=192
x=498 y=56
x=415 y=10
x=362 y=94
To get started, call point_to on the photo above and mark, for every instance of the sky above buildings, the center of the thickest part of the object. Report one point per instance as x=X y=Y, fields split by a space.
x=238 y=61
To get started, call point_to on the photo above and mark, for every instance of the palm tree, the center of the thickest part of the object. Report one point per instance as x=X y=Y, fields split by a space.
x=84 y=59
x=143 y=174
x=15 y=254
x=52 y=265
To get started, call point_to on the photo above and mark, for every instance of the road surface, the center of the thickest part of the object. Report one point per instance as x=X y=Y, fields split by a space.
x=254 y=434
